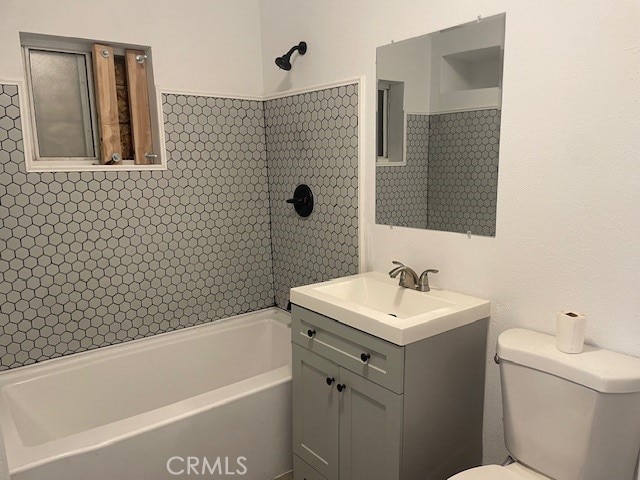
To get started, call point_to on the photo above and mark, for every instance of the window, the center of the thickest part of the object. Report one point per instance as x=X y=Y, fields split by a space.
x=92 y=106
x=390 y=123
x=383 y=121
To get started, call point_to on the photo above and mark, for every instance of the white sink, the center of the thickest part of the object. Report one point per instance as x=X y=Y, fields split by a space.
x=374 y=303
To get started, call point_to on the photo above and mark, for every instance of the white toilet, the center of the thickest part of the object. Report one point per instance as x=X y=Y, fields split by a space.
x=566 y=417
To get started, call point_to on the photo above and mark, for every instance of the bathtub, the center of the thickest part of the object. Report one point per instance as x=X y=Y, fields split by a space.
x=206 y=402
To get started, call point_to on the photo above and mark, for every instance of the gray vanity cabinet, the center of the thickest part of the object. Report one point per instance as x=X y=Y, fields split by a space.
x=352 y=433
x=316 y=408
x=370 y=426
x=366 y=409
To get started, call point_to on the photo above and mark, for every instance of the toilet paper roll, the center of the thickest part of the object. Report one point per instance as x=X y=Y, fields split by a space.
x=570 y=327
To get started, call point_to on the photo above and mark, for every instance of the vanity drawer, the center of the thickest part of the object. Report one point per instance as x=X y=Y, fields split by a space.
x=303 y=471
x=345 y=345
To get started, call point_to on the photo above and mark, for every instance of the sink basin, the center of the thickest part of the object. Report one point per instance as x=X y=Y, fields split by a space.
x=374 y=303
x=381 y=296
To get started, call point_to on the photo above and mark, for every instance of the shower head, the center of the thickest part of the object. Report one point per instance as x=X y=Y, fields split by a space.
x=284 y=62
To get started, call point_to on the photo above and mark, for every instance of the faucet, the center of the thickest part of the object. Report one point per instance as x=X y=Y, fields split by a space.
x=410 y=279
x=404 y=272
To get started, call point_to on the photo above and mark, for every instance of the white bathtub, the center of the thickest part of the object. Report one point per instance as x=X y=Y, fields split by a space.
x=139 y=410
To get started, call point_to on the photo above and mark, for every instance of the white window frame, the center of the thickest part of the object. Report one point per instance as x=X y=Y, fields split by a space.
x=384 y=87
x=91 y=107
x=383 y=161
x=33 y=161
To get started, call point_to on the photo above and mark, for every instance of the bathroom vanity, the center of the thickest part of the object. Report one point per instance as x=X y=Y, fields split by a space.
x=365 y=407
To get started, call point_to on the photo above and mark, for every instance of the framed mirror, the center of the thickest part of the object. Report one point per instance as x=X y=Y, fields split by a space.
x=438 y=128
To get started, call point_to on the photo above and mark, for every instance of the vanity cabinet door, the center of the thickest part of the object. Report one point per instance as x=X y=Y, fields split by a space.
x=370 y=430
x=316 y=403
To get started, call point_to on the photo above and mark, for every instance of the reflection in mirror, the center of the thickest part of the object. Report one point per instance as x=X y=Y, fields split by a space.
x=438 y=129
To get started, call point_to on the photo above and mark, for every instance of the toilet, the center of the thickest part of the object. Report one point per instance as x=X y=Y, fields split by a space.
x=566 y=417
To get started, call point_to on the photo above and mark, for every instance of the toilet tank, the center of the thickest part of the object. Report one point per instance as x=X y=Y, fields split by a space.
x=569 y=416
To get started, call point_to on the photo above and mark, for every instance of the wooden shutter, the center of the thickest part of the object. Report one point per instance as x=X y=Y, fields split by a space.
x=106 y=104
x=139 y=106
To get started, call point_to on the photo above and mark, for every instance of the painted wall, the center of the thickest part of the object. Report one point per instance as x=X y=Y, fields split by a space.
x=568 y=211
x=408 y=62
x=202 y=46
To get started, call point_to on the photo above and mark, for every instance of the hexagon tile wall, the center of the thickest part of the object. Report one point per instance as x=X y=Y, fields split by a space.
x=463 y=171
x=312 y=138
x=450 y=180
x=401 y=191
x=92 y=259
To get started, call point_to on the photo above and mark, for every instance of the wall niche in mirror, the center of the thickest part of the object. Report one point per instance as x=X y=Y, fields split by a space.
x=438 y=128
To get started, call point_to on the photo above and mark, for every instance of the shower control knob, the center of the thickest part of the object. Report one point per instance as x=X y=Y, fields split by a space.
x=311 y=333
x=330 y=380
x=341 y=387
x=302 y=200
x=365 y=357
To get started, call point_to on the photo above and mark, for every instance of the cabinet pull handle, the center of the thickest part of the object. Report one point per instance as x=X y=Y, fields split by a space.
x=365 y=357
x=330 y=380
x=341 y=387
x=311 y=333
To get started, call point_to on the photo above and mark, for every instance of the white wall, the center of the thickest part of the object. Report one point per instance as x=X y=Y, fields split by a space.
x=569 y=192
x=408 y=62
x=210 y=46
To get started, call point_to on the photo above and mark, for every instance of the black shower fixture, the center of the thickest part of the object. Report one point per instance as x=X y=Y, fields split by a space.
x=284 y=62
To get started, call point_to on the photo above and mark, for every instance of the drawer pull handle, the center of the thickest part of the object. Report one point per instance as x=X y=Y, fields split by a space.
x=311 y=333
x=330 y=380
x=365 y=357
x=341 y=387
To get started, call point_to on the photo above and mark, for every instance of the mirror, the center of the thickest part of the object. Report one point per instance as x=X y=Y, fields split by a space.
x=438 y=129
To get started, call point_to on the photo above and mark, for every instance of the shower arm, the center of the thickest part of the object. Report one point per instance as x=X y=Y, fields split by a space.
x=291 y=50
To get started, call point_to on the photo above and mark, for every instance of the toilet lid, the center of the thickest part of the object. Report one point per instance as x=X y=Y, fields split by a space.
x=488 y=472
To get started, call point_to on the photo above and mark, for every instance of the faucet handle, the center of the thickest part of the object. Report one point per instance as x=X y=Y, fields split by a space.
x=423 y=281
x=394 y=271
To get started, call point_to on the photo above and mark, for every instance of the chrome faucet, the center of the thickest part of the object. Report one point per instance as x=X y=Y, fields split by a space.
x=410 y=279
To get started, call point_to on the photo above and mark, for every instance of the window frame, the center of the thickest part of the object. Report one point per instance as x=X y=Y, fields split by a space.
x=392 y=111
x=33 y=161
x=91 y=107
x=382 y=130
